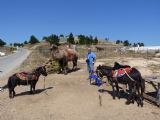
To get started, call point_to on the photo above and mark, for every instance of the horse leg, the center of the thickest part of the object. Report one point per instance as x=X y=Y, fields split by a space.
x=10 y=93
x=130 y=95
x=34 y=85
x=14 y=93
x=134 y=94
x=117 y=87
x=31 y=86
x=140 y=97
x=113 y=89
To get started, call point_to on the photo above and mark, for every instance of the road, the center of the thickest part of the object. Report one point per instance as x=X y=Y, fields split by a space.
x=10 y=62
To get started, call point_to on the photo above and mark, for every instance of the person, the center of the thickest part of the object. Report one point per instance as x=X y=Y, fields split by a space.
x=90 y=59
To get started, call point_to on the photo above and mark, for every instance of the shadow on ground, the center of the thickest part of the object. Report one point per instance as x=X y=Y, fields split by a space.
x=38 y=91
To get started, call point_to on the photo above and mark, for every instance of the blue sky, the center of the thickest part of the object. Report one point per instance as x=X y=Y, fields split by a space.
x=133 y=20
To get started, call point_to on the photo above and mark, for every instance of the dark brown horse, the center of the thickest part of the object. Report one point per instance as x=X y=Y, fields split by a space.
x=63 y=56
x=133 y=79
x=24 y=78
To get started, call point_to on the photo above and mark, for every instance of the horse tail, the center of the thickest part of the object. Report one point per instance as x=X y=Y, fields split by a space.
x=141 y=80
x=142 y=85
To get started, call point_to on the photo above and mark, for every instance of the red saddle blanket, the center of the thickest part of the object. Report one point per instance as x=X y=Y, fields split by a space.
x=120 y=72
x=26 y=76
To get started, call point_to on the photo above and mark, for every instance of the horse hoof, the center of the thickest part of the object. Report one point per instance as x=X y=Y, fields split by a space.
x=127 y=102
x=142 y=105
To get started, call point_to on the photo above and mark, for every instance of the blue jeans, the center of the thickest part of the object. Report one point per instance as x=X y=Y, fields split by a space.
x=90 y=68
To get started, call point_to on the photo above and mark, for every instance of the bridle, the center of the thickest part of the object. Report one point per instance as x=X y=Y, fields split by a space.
x=99 y=73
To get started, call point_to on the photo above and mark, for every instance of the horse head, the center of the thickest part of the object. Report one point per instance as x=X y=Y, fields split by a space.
x=103 y=71
x=41 y=70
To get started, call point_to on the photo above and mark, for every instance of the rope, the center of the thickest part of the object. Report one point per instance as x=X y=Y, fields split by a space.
x=44 y=83
x=128 y=75
x=99 y=72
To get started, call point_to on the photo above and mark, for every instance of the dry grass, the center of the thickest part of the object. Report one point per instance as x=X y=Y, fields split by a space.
x=39 y=56
x=36 y=57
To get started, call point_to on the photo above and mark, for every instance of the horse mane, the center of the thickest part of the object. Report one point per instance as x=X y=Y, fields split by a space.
x=106 y=67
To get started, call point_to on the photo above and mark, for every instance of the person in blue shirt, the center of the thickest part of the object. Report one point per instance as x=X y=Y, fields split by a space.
x=90 y=59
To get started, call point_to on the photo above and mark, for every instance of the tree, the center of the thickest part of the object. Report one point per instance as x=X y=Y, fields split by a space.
x=61 y=35
x=107 y=39
x=10 y=44
x=82 y=39
x=54 y=39
x=140 y=44
x=70 y=39
x=118 y=41
x=2 y=43
x=126 y=43
x=95 y=40
x=25 y=42
x=33 y=40
x=18 y=44
x=134 y=44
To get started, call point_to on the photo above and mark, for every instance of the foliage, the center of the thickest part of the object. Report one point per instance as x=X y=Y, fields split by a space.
x=18 y=44
x=25 y=42
x=70 y=39
x=52 y=39
x=85 y=40
x=33 y=40
x=2 y=43
x=95 y=40
x=126 y=43
x=61 y=35
x=138 y=44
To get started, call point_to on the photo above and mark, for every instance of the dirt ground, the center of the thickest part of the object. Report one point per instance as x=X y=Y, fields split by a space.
x=71 y=97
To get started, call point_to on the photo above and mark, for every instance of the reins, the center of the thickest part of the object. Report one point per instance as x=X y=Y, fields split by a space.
x=100 y=73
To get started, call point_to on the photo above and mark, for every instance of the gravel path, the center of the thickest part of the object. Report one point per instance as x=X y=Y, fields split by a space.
x=10 y=62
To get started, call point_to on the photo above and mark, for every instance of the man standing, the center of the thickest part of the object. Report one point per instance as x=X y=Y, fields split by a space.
x=90 y=59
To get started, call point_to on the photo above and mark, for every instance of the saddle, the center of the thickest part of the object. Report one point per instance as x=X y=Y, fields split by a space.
x=26 y=76
x=120 y=72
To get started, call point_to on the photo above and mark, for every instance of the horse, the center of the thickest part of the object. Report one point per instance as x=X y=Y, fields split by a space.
x=132 y=78
x=63 y=57
x=24 y=78
x=99 y=48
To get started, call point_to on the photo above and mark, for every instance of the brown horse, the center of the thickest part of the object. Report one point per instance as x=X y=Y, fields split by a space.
x=63 y=56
